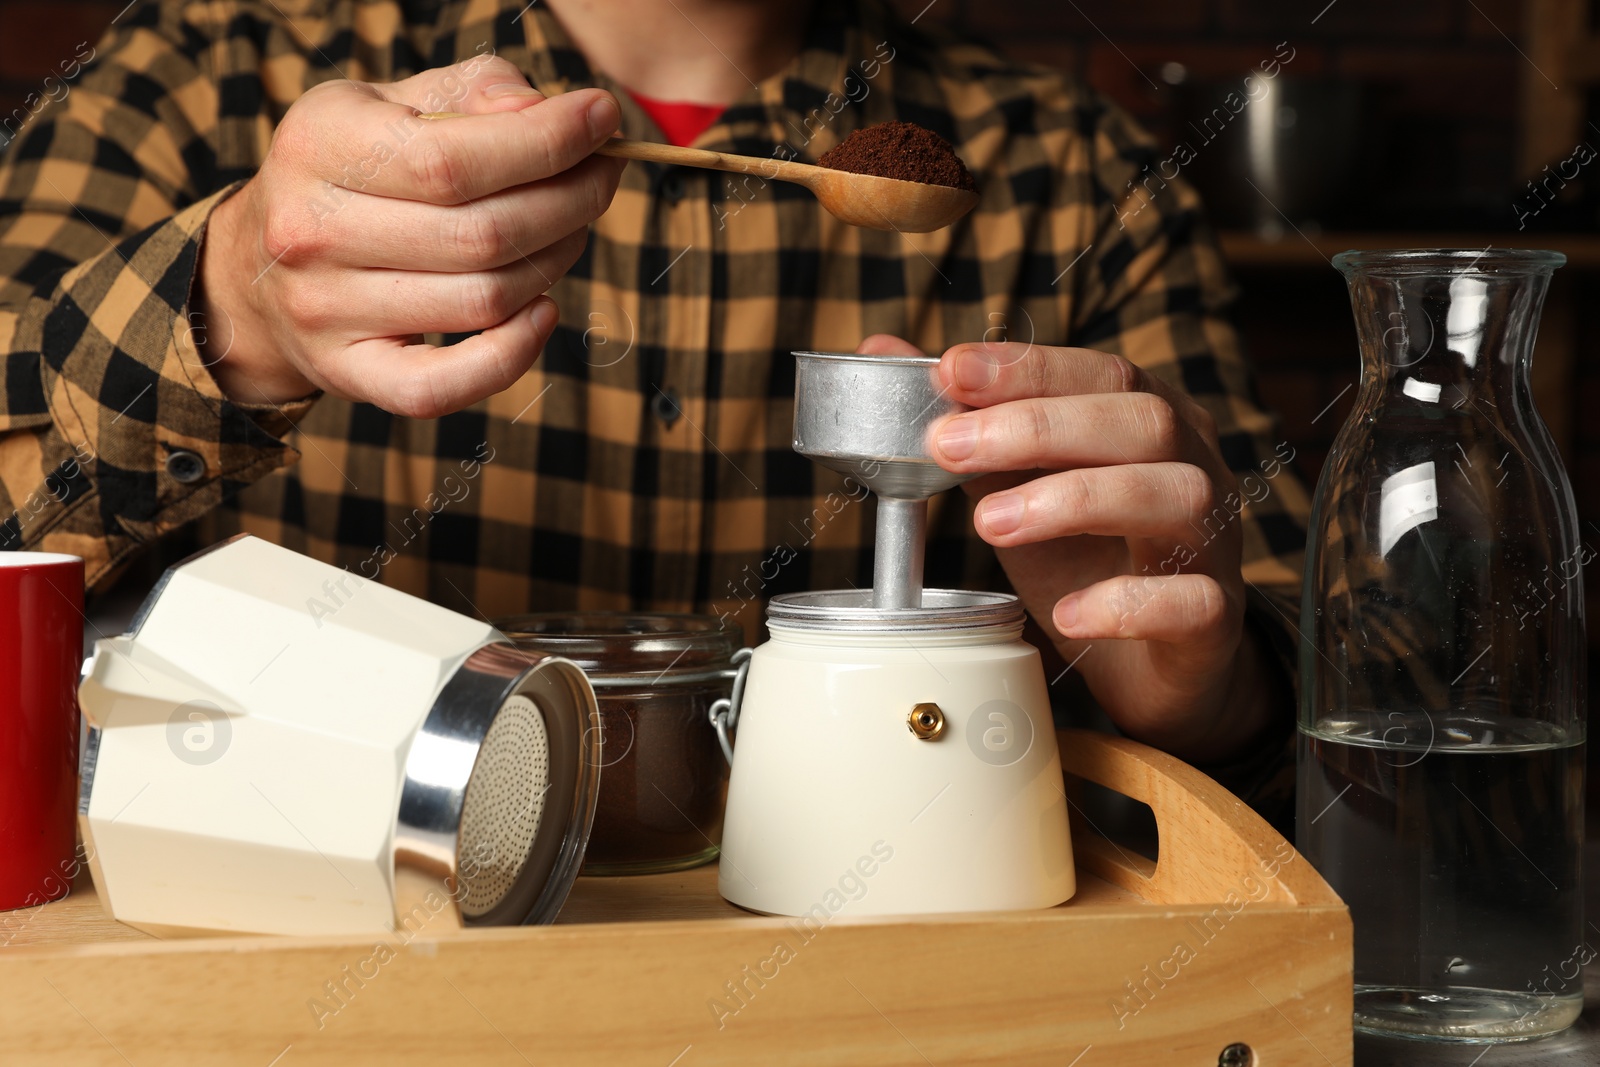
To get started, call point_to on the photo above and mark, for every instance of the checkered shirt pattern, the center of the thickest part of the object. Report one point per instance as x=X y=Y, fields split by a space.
x=645 y=462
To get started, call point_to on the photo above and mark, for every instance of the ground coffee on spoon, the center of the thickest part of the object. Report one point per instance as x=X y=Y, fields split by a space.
x=901 y=150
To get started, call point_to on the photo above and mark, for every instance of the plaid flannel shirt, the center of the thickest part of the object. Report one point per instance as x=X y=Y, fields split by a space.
x=645 y=462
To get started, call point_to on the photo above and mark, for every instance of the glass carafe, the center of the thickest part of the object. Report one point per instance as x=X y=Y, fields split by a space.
x=1442 y=659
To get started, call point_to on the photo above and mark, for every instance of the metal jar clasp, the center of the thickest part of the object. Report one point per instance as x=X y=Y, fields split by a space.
x=724 y=711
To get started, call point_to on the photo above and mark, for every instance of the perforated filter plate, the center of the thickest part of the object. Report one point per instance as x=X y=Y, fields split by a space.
x=504 y=805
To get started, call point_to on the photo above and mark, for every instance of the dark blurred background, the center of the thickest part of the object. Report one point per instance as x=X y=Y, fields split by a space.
x=1396 y=123
x=1402 y=123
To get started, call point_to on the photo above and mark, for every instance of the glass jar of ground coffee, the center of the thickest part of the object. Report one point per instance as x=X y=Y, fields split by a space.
x=663 y=777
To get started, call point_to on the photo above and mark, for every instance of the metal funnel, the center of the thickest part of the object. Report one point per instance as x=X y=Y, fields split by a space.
x=867 y=417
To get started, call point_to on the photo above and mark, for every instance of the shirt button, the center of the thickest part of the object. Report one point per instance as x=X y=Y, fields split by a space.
x=186 y=467
x=664 y=406
x=671 y=187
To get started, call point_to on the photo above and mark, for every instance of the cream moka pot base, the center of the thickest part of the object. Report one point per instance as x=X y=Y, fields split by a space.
x=896 y=752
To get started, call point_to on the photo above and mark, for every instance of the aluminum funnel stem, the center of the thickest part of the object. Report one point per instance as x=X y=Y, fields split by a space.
x=898 y=553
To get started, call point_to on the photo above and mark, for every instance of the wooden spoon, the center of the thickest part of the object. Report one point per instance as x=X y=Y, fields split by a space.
x=859 y=199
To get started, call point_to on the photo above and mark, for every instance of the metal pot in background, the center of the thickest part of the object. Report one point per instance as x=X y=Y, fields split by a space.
x=1277 y=152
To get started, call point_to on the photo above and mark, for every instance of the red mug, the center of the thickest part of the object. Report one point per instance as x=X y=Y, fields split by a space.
x=41 y=656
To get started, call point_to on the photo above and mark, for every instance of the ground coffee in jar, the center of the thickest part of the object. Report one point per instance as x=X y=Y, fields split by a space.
x=663 y=775
x=900 y=150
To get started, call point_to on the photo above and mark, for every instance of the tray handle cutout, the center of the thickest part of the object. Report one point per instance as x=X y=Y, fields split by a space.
x=1212 y=843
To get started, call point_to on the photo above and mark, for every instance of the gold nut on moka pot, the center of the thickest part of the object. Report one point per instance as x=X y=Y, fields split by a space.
x=926 y=722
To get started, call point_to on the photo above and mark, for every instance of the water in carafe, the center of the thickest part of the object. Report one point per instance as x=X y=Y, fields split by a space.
x=1442 y=660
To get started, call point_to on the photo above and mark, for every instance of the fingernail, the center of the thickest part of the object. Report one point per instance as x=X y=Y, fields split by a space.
x=505 y=89
x=545 y=317
x=959 y=437
x=976 y=370
x=1002 y=513
x=1067 y=614
x=603 y=117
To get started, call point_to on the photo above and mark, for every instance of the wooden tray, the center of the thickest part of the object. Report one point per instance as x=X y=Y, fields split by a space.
x=1230 y=938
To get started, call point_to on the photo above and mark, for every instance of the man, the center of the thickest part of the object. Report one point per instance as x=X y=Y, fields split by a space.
x=243 y=281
